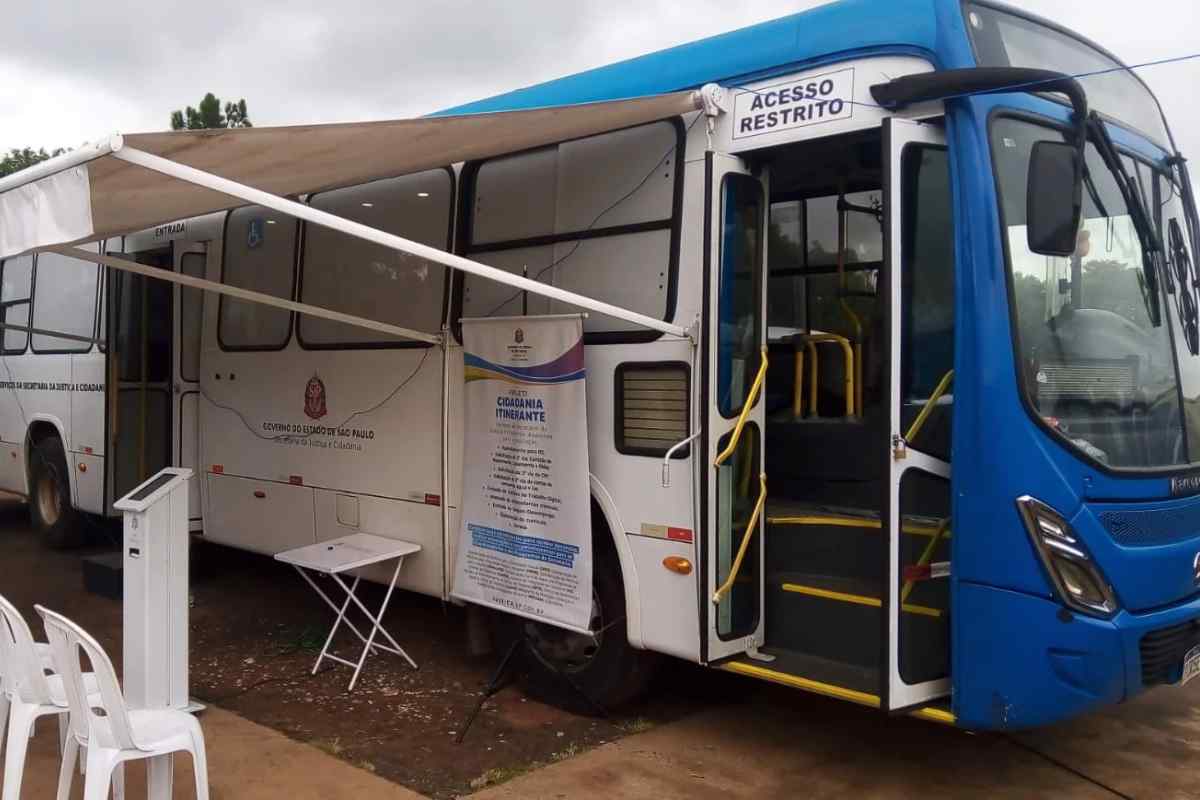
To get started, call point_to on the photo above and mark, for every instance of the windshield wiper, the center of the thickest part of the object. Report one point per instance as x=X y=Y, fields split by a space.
x=1152 y=251
x=1183 y=263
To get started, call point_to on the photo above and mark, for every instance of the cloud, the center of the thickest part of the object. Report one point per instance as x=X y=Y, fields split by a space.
x=76 y=71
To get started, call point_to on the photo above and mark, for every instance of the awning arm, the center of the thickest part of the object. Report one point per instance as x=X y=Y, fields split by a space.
x=239 y=293
x=367 y=233
x=89 y=151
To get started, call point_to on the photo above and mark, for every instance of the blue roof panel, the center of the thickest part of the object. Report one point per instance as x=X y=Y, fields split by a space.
x=930 y=28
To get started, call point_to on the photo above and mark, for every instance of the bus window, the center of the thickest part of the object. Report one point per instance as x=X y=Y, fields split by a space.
x=260 y=255
x=927 y=278
x=594 y=216
x=14 y=297
x=739 y=316
x=353 y=276
x=66 y=288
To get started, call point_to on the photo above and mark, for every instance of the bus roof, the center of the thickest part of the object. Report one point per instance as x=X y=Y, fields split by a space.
x=931 y=29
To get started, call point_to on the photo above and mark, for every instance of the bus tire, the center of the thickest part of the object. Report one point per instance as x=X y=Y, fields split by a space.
x=609 y=674
x=54 y=518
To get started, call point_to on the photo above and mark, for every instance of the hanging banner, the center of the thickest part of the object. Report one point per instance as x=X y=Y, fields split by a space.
x=526 y=541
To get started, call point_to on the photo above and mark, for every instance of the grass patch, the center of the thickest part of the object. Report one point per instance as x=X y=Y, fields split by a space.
x=499 y=775
x=333 y=747
x=635 y=725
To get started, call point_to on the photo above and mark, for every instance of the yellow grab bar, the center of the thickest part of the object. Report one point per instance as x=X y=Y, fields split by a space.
x=798 y=385
x=811 y=341
x=723 y=590
x=749 y=404
x=919 y=422
x=925 y=557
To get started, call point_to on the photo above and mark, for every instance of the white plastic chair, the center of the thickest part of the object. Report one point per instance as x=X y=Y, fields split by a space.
x=29 y=694
x=112 y=732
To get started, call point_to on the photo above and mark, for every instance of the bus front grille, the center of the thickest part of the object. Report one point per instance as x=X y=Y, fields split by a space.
x=1163 y=651
x=1152 y=527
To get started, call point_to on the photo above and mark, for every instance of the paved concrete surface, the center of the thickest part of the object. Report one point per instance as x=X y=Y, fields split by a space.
x=245 y=762
x=779 y=746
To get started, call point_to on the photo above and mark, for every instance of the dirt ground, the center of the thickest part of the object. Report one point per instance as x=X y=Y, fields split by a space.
x=256 y=629
x=703 y=734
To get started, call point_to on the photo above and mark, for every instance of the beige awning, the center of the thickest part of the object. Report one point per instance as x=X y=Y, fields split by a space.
x=93 y=193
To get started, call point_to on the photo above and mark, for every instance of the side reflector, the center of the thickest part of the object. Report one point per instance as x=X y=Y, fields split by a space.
x=217 y=469
x=433 y=500
x=678 y=564
x=296 y=480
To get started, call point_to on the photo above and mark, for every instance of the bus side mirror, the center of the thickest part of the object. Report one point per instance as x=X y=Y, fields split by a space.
x=1054 y=203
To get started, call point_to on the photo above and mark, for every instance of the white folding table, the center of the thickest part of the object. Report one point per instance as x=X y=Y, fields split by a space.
x=338 y=556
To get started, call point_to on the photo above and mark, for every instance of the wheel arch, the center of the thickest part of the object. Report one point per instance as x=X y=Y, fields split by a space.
x=42 y=427
x=605 y=509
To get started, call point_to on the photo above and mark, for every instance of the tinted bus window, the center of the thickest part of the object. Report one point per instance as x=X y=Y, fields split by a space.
x=260 y=255
x=65 y=302
x=17 y=278
x=353 y=276
x=593 y=216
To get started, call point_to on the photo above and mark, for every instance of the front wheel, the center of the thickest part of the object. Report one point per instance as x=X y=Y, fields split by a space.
x=604 y=666
x=53 y=516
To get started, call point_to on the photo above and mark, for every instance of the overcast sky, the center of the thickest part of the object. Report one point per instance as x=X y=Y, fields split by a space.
x=74 y=71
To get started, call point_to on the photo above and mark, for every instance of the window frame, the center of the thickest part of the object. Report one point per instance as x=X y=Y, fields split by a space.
x=80 y=347
x=296 y=245
x=469 y=183
x=447 y=282
x=1056 y=125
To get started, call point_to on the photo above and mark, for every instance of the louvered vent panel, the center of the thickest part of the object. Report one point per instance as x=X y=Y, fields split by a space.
x=1086 y=380
x=654 y=407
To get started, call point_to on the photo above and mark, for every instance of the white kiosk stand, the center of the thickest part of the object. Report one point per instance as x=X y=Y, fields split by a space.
x=156 y=604
x=156 y=591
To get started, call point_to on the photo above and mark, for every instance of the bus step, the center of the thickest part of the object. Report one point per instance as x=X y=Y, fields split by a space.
x=837 y=618
x=852 y=682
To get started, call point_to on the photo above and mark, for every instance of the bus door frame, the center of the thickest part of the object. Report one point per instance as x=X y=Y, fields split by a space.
x=898 y=695
x=718 y=429
x=185 y=427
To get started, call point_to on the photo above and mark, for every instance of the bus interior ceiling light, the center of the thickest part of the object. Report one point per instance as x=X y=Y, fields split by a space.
x=1076 y=578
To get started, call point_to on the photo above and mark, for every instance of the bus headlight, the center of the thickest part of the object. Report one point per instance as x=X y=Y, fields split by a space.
x=1076 y=579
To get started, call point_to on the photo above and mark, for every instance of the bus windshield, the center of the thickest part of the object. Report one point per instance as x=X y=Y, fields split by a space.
x=1009 y=39
x=1094 y=365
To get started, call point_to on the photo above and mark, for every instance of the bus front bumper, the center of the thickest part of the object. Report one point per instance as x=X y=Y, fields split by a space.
x=1021 y=661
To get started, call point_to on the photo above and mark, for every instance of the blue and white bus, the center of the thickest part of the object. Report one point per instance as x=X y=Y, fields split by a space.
x=919 y=424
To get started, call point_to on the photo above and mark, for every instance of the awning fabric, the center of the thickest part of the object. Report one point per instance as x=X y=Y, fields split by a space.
x=90 y=194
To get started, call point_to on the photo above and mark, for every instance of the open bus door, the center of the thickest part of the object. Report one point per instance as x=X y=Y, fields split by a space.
x=191 y=260
x=919 y=287
x=138 y=402
x=733 y=487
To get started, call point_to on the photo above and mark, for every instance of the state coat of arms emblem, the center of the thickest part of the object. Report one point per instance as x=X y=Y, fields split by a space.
x=314 y=398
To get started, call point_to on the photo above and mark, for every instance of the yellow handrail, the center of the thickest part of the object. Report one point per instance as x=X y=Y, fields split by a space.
x=798 y=385
x=811 y=340
x=925 y=557
x=749 y=404
x=724 y=588
x=915 y=428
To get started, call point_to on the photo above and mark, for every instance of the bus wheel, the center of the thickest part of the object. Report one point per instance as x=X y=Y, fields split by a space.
x=604 y=666
x=54 y=518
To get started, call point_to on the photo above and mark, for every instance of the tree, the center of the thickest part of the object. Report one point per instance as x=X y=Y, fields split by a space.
x=17 y=160
x=209 y=115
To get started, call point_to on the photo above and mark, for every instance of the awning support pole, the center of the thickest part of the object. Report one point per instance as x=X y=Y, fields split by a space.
x=240 y=294
x=367 y=233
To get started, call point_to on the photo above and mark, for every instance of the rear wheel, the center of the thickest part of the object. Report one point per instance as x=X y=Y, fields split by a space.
x=604 y=666
x=54 y=518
